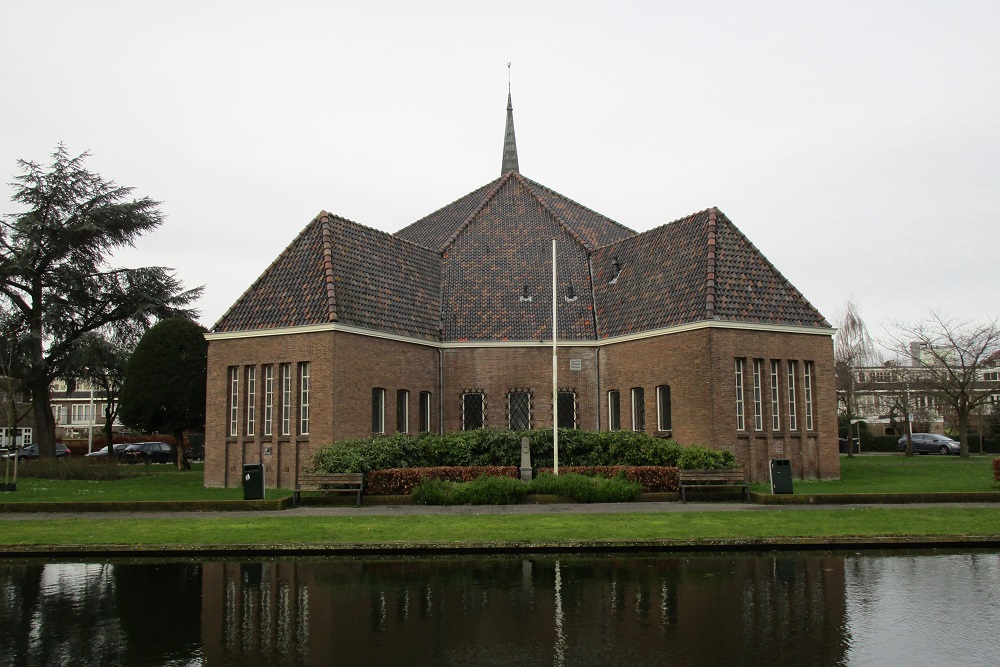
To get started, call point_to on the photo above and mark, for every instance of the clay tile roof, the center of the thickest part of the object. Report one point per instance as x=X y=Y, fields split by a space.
x=339 y=271
x=504 y=247
x=460 y=274
x=697 y=268
x=750 y=289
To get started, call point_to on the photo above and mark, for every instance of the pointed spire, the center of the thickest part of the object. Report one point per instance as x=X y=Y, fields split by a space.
x=509 y=145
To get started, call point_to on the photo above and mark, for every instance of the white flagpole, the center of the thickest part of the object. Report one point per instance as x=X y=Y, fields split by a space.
x=555 y=369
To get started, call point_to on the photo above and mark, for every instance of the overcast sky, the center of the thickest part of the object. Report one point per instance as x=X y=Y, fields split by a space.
x=857 y=144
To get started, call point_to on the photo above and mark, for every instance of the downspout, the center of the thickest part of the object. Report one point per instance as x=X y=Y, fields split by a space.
x=597 y=402
x=440 y=391
x=597 y=363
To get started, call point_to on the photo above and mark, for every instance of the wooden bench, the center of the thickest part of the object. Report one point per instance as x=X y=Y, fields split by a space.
x=713 y=479
x=343 y=482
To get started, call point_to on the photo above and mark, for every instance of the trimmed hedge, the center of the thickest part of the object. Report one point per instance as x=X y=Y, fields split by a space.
x=400 y=481
x=652 y=479
x=506 y=491
x=489 y=447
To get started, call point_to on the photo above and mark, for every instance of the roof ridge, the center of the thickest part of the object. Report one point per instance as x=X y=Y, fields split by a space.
x=269 y=268
x=710 y=265
x=558 y=218
x=476 y=211
x=328 y=273
x=583 y=206
x=771 y=266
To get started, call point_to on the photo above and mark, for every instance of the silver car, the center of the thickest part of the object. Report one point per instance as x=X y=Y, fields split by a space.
x=926 y=443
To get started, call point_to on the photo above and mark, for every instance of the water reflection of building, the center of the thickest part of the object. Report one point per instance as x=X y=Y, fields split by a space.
x=642 y=610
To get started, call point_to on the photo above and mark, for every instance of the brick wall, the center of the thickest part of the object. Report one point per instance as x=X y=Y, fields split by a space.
x=698 y=366
x=343 y=368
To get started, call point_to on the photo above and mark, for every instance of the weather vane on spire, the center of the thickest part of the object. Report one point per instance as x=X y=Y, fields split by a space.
x=508 y=76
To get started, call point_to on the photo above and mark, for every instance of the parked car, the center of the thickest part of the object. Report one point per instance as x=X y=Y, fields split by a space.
x=149 y=452
x=119 y=450
x=31 y=452
x=926 y=443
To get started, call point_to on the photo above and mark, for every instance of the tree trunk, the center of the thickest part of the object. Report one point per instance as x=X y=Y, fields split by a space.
x=45 y=422
x=109 y=434
x=963 y=433
x=182 y=461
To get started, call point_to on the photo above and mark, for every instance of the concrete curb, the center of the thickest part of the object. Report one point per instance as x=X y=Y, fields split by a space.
x=556 y=547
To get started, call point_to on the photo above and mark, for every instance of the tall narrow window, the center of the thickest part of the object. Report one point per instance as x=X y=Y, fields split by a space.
x=425 y=412
x=473 y=410
x=567 y=409
x=286 y=399
x=304 y=398
x=775 y=403
x=251 y=408
x=663 y=421
x=402 y=411
x=792 y=422
x=740 y=414
x=268 y=399
x=614 y=410
x=234 y=400
x=638 y=409
x=519 y=410
x=758 y=399
x=807 y=369
x=378 y=410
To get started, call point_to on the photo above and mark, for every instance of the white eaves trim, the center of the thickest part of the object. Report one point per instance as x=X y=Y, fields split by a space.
x=693 y=326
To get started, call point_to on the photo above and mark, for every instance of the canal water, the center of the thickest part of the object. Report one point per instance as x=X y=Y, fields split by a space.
x=831 y=608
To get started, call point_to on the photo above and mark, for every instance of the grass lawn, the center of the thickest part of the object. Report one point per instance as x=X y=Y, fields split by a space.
x=164 y=482
x=896 y=473
x=486 y=529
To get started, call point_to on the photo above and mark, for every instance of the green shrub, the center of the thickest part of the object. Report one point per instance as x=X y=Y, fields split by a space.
x=401 y=481
x=480 y=491
x=651 y=478
x=586 y=489
x=492 y=447
x=697 y=457
x=82 y=469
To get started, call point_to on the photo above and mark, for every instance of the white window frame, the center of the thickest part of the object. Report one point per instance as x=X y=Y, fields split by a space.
x=568 y=392
x=641 y=393
x=758 y=398
x=234 y=400
x=775 y=398
x=403 y=418
x=304 y=390
x=662 y=423
x=251 y=396
x=614 y=409
x=741 y=424
x=378 y=410
x=286 y=399
x=425 y=412
x=793 y=422
x=807 y=369
x=268 y=399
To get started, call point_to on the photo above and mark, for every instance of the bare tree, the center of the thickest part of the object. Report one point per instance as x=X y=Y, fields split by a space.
x=948 y=357
x=853 y=349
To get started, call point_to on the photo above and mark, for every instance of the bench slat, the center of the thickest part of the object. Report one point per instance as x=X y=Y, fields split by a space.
x=329 y=483
x=709 y=479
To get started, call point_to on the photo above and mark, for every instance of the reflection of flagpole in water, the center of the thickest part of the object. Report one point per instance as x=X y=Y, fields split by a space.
x=560 y=656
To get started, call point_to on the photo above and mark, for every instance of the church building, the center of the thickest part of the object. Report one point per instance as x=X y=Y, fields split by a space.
x=683 y=331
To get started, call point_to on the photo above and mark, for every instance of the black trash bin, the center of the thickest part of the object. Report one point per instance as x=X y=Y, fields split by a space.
x=253 y=481
x=781 y=476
